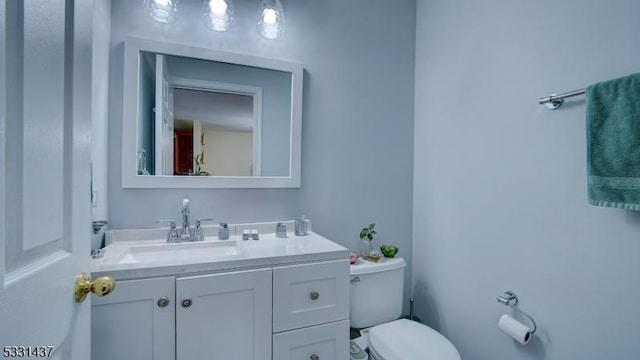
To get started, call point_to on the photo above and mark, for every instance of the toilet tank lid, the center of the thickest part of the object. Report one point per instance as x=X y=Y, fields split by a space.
x=362 y=266
x=406 y=339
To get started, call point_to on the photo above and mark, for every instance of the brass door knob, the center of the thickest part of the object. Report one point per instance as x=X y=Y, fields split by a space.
x=100 y=287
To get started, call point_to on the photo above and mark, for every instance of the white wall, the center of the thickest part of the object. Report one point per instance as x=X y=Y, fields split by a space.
x=357 y=117
x=500 y=200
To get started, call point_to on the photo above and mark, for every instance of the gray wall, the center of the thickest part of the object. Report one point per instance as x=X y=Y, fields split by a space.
x=500 y=198
x=357 y=149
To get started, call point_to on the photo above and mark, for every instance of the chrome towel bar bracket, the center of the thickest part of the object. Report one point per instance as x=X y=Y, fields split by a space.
x=554 y=101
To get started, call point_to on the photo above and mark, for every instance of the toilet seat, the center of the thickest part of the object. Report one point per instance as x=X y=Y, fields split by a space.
x=405 y=339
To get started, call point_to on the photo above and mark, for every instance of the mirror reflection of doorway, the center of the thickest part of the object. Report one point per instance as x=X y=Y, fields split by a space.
x=214 y=133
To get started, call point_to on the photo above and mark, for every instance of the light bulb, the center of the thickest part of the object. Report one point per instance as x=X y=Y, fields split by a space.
x=218 y=7
x=270 y=19
x=269 y=16
x=162 y=11
x=218 y=14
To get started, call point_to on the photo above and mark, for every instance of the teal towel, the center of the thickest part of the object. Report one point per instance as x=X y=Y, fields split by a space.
x=613 y=142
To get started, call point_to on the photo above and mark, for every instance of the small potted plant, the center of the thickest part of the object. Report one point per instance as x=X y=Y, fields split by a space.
x=389 y=251
x=368 y=249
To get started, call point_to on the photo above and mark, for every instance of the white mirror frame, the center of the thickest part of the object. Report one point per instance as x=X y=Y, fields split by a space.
x=130 y=178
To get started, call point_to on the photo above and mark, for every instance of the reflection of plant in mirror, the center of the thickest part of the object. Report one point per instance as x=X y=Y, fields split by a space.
x=199 y=160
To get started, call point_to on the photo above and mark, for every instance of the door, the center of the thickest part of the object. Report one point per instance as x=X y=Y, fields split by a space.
x=135 y=322
x=224 y=316
x=163 y=118
x=183 y=153
x=45 y=217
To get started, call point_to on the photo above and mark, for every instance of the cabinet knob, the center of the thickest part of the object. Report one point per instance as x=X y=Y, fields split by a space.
x=186 y=303
x=163 y=302
x=314 y=295
x=315 y=357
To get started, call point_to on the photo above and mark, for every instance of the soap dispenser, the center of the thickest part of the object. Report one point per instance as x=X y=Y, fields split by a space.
x=302 y=226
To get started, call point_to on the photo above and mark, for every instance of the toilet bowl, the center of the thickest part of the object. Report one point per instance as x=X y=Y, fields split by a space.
x=405 y=339
x=376 y=302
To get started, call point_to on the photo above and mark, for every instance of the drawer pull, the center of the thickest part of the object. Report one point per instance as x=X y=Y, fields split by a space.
x=315 y=357
x=186 y=303
x=163 y=302
x=314 y=296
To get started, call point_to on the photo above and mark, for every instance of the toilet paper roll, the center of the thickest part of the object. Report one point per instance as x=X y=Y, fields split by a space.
x=514 y=328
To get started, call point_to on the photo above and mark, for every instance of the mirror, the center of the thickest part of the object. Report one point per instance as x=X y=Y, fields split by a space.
x=195 y=117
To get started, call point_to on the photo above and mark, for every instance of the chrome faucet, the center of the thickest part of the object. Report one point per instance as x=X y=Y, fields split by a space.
x=186 y=230
x=186 y=233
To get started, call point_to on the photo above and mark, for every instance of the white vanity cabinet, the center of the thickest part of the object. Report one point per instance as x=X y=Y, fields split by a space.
x=136 y=321
x=224 y=316
x=294 y=312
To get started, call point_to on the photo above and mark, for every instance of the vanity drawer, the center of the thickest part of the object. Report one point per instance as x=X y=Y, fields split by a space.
x=326 y=342
x=310 y=294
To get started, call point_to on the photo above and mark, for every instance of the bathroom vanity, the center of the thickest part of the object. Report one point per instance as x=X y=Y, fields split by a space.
x=272 y=298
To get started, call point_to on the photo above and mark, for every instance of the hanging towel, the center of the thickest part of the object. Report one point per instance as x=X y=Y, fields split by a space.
x=613 y=142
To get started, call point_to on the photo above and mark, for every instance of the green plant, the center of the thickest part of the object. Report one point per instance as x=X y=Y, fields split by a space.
x=389 y=250
x=198 y=161
x=368 y=232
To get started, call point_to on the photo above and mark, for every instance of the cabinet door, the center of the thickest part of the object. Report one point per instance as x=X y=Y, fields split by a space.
x=321 y=342
x=132 y=322
x=224 y=316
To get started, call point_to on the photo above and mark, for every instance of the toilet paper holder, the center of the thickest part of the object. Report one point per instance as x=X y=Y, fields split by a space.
x=509 y=298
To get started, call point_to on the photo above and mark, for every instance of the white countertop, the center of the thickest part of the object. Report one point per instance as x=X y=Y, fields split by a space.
x=268 y=251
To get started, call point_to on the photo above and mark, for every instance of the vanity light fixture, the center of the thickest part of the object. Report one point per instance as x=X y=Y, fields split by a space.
x=162 y=11
x=218 y=14
x=270 y=19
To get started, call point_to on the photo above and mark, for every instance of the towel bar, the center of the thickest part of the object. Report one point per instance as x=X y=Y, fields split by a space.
x=554 y=101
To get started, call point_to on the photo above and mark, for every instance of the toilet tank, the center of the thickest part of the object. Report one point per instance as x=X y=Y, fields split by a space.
x=376 y=291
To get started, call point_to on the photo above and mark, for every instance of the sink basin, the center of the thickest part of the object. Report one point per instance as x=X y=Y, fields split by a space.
x=177 y=252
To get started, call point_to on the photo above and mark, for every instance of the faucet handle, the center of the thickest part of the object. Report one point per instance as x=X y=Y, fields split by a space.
x=173 y=229
x=200 y=221
x=198 y=230
x=173 y=222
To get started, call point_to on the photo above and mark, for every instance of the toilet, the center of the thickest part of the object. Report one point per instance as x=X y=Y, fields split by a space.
x=376 y=303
